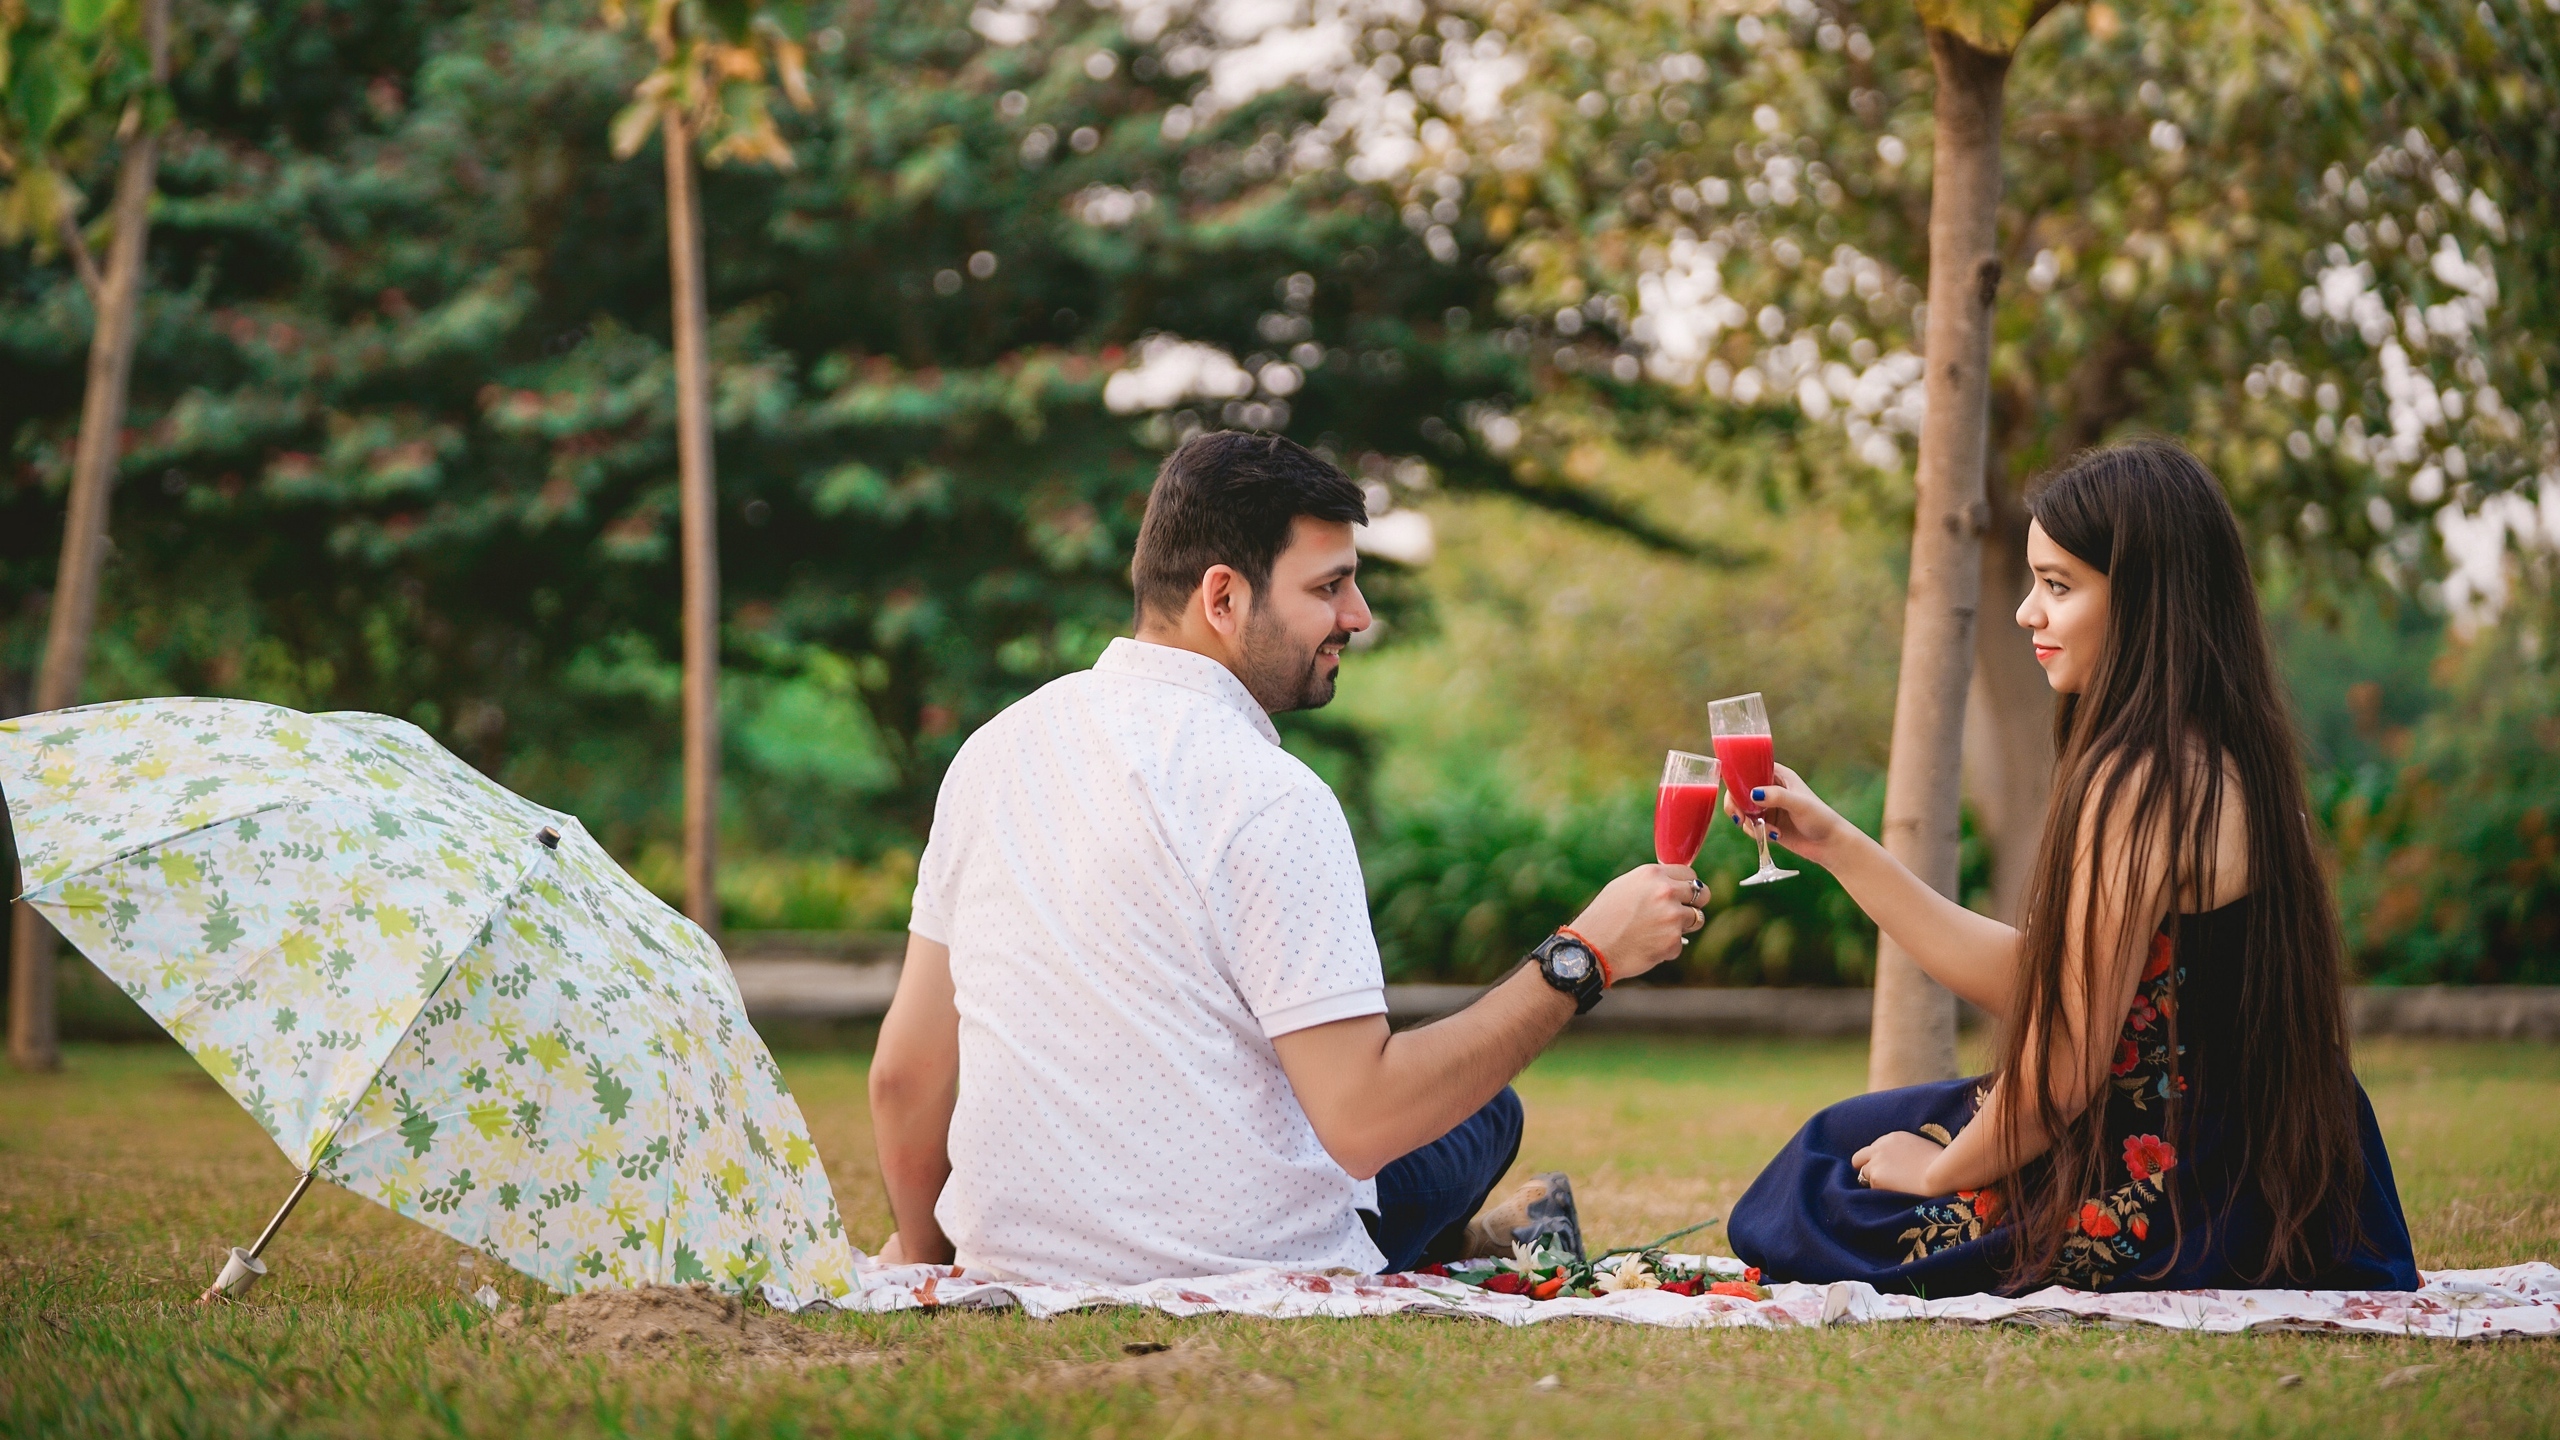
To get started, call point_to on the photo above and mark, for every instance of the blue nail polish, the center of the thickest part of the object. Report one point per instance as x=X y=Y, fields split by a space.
x=1759 y=794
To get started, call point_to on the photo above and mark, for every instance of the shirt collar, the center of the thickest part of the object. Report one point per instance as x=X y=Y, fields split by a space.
x=1188 y=669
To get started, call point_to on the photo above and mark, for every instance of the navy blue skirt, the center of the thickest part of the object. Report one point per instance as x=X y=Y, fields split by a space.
x=1808 y=1219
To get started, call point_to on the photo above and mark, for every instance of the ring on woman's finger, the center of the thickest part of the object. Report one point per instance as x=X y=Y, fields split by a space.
x=1863 y=1180
x=1697 y=918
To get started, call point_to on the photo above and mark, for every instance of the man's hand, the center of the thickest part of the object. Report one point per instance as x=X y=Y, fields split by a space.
x=1644 y=917
x=1899 y=1161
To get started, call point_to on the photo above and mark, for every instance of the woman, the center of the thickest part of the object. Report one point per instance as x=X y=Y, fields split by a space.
x=2173 y=1107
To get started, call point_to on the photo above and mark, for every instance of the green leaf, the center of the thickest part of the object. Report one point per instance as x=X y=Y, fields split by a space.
x=548 y=1051
x=51 y=86
x=85 y=18
x=1993 y=26
x=612 y=1096
x=220 y=929
x=417 y=1128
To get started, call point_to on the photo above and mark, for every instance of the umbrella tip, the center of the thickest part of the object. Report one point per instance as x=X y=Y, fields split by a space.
x=549 y=837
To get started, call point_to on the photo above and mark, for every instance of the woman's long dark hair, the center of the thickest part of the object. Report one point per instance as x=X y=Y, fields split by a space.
x=2182 y=705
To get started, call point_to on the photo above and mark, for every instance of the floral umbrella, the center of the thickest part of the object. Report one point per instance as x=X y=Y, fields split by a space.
x=428 y=990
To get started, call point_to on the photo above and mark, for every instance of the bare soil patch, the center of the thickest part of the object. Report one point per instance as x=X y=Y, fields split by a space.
x=1160 y=1366
x=672 y=1321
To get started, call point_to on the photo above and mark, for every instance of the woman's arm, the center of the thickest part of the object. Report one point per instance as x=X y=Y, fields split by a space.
x=2119 y=897
x=1973 y=955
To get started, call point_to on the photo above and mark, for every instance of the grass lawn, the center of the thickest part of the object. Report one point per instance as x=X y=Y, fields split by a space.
x=122 y=1179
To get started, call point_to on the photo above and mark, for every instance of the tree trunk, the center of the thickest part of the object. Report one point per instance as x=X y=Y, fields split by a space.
x=2008 y=722
x=699 y=540
x=1915 y=1020
x=33 y=1044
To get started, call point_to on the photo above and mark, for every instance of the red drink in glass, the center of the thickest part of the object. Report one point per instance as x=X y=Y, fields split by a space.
x=1684 y=806
x=1681 y=815
x=1744 y=753
x=1749 y=762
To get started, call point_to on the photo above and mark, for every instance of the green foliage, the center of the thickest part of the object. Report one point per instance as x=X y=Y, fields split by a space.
x=403 y=432
x=402 y=435
x=713 y=60
x=1464 y=882
x=71 y=72
x=1993 y=26
x=2450 y=861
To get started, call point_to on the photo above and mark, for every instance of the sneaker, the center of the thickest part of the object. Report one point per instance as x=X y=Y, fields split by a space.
x=1540 y=1211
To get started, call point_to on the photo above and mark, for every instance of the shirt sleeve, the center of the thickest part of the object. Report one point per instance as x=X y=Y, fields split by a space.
x=1291 y=916
x=929 y=913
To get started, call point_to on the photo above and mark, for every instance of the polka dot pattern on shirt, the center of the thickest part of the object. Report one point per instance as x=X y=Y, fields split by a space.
x=1139 y=887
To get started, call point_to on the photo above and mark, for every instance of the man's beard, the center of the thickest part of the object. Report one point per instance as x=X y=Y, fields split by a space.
x=1281 y=677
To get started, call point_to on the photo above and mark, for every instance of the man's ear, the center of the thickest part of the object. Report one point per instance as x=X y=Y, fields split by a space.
x=1226 y=599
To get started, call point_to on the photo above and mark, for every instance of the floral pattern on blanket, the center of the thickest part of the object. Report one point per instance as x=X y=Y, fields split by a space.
x=2516 y=1300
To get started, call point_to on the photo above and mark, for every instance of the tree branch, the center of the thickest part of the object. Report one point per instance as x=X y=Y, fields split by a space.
x=1484 y=475
x=82 y=261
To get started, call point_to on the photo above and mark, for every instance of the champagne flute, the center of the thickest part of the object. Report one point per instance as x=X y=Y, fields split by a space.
x=1749 y=758
x=1684 y=807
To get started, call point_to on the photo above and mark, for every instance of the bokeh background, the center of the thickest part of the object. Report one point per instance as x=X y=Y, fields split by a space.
x=1614 y=307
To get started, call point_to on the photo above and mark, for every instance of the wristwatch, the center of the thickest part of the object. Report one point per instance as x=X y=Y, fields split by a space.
x=1570 y=964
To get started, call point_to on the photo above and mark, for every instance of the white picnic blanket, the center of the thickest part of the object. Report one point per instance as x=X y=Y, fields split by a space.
x=2512 y=1300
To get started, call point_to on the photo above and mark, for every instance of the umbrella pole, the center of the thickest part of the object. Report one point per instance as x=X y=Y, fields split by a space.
x=241 y=1269
x=286 y=1209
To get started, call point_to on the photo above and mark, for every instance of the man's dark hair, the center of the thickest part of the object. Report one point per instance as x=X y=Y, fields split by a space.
x=1228 y=498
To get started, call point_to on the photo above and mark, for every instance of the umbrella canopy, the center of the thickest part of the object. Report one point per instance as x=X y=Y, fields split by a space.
x=428 y=990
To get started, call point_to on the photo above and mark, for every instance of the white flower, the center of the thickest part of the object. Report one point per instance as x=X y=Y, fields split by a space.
x=1631 y=1273
x=1525 y=1258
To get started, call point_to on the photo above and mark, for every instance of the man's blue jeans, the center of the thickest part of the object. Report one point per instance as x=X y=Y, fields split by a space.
x=1426 y=1198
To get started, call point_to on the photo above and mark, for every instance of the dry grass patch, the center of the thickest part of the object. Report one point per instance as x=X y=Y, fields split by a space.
x=659 y=1322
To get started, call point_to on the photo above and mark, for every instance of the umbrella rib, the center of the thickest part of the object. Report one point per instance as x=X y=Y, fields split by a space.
x=504 y=898
x=160 y=840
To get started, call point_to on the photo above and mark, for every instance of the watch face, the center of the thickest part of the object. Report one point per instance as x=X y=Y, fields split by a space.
x=1569 y=961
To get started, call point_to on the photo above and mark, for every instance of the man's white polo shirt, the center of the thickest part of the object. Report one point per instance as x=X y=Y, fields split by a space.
x=1139 y=889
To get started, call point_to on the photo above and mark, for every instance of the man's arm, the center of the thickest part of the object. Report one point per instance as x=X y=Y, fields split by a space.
x=1374 y=1096
x=915 y=1082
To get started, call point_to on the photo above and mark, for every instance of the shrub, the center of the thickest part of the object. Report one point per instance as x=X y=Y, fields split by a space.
x=2449 y=865
x=1464 y=882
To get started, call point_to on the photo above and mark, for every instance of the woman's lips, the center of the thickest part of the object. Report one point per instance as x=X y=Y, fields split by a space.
x=2047 y=652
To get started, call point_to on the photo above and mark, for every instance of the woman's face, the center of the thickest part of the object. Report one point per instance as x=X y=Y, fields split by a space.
x=2065 y=611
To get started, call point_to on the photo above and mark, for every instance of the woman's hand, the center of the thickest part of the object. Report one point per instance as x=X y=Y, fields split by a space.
x=890 y=1251
x=1796 y=818
x=1899 y=1162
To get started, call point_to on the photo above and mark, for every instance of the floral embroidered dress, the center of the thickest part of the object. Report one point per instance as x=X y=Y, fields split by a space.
x=1807 y=1218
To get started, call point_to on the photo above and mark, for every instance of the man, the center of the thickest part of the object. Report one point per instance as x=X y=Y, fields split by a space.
x=1141 y=1033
